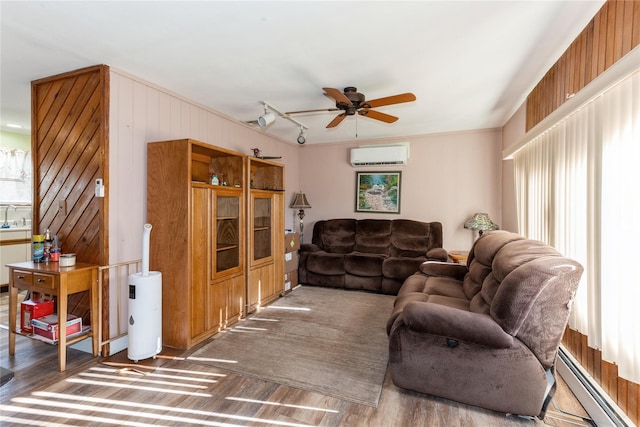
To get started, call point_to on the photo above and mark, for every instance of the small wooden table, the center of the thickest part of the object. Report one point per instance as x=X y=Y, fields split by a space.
x=459 y=257
x=51 y=279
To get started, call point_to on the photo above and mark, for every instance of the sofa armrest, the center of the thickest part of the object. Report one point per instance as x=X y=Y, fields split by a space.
x=446 y=269
x=309 y=247
x=437 y=254
x=456 y=324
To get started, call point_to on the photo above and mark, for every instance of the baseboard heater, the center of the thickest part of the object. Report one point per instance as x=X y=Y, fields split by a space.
x=602 y=410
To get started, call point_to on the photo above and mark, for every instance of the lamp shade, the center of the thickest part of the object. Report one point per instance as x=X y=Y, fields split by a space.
x=480 y=221
x=300 y=202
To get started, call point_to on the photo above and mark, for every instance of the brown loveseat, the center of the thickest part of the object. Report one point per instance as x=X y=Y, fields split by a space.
x=485 y=334
x=368 y=254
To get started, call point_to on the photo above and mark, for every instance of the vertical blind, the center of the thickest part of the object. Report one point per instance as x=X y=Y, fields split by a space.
x=578 y=189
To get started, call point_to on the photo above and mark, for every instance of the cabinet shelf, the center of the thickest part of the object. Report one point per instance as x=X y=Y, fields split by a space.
x=223 y=247
x=71 y=339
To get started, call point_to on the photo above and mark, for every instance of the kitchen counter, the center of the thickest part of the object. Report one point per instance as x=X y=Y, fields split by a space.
x=15 y=246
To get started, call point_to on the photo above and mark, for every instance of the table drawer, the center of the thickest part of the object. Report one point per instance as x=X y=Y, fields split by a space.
x=22 y=278
x=44 y=280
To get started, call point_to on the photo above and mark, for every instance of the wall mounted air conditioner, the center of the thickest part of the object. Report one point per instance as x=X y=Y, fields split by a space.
x=380 y=155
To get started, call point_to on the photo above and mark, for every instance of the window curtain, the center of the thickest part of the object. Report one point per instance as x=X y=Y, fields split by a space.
x=577 y=190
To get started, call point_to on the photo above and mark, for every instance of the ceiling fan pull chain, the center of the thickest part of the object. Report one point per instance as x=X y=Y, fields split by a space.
x=356 y=126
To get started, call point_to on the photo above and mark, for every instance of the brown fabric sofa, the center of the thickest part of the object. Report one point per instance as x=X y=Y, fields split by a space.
x=368 y=254
x=485 y=334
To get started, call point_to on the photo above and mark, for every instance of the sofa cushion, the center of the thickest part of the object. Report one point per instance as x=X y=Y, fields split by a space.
x=330 y=281
x=361 y=264
x=459 y=303
x=373 y=236
x=335 y=235
x=325 y=263
x=445 y=286
x=373 y=284
x=414 y=238
x=400 y=268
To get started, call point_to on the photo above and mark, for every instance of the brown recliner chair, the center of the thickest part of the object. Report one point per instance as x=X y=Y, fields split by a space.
x=485 y=334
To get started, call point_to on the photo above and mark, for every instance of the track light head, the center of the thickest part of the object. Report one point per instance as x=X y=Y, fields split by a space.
x=301 y=138
x=266 y=119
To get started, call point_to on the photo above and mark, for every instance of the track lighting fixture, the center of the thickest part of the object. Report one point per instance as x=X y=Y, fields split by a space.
x=301 y=138
x=269 y=117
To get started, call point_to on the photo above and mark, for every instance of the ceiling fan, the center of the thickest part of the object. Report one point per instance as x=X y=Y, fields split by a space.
x=352 y=102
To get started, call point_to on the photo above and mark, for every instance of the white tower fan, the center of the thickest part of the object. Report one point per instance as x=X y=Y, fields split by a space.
x=145 y=308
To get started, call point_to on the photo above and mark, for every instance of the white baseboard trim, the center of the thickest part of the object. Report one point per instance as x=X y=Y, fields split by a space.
x=115 y=346
x=600 y=407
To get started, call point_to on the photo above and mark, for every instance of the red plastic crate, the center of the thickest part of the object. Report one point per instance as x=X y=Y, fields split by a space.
x=33 y=309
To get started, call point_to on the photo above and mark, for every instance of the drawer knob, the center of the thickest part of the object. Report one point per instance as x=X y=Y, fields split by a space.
x=40 y=280
x=20 y=277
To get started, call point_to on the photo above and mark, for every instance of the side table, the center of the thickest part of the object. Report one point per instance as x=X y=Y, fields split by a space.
x=459 y=257
x=51 y=279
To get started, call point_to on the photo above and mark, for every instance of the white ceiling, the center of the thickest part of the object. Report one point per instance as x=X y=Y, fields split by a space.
x=470 y=64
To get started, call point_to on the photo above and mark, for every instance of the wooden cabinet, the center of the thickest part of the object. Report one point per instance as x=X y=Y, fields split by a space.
x=198 y=237
x=265 y=218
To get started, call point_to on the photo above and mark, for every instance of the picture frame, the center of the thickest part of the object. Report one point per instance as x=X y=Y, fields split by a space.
x=378 y=192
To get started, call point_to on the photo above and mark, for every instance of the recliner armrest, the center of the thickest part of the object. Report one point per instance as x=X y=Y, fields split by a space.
x=455 y=324
x=446 y=269
x=309 y=247
x=437 y=254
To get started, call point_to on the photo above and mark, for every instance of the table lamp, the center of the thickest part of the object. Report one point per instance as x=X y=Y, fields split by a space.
x=480 y=222
x=300 y=202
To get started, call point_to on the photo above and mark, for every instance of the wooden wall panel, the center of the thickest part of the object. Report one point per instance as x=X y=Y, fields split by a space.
x=611 y=34
x=625 y=393
x=69 y=142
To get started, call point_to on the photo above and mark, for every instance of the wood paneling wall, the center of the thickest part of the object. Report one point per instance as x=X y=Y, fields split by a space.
x=625 y=393
x=611 y=34
x=140 y=112
x=69 y=142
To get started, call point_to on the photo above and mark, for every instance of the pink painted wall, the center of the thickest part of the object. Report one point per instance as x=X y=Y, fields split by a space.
x=449 y=177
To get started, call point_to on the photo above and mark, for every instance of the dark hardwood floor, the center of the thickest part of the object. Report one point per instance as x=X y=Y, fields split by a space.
x=181 y=392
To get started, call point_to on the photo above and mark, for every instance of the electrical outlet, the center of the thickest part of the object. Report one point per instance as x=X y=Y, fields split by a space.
x=62 y=207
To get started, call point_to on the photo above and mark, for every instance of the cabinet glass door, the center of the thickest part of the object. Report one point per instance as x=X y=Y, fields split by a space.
x=227 y=217
x=262 y=220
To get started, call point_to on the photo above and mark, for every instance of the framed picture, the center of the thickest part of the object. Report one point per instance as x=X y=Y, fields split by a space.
x=378 y=192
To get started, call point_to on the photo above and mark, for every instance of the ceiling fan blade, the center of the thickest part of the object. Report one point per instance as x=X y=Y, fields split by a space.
x=337 y=95
x=312 y=111
x=337 y=120
x=389 y=100
x=377 y=115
